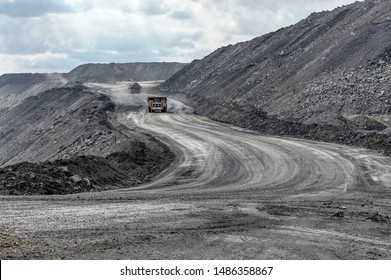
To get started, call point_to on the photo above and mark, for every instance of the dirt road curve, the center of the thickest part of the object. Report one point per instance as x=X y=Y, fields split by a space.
x=231 y=194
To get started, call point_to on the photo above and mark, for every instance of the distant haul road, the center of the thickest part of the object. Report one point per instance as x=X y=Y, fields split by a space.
x=231 y=193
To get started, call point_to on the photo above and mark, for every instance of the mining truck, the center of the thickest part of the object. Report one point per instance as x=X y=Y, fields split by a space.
x=157 y=104
x=135 y=88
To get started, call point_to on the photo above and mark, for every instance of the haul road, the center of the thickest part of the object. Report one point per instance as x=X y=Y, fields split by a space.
x=231 y=193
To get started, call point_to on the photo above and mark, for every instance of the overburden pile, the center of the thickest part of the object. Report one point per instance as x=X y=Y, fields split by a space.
x=328 y=77
x=66 y=140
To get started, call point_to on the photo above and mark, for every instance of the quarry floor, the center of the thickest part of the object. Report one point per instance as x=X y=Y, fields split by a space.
x=231 y=193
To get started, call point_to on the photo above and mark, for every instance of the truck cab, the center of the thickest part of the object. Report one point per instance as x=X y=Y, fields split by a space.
x=157 y=104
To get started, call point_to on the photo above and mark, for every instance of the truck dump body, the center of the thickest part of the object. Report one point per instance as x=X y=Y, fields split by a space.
x=157 y=104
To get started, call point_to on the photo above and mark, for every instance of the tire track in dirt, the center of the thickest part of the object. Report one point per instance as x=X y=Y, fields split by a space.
x=230 y=193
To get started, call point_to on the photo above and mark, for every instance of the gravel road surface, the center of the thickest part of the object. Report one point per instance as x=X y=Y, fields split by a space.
x=230 y=194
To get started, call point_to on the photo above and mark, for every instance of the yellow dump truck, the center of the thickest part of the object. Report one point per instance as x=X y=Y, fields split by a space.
x=157 y=104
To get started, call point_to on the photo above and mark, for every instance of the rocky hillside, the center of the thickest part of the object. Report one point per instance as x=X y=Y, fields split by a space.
x=64 y=141
x=56 y=137
x=124 y=72
x=327 y=77
x=16 y=87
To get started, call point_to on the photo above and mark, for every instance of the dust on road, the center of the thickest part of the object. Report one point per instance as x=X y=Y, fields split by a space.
x=230 y=194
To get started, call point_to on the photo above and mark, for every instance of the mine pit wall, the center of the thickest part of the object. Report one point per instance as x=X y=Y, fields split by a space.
x=66 y=140
x=326 y=78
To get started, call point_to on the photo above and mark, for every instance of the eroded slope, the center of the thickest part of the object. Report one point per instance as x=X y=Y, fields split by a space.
x=63 y=141
x=326 y=77
x=114 y=72
x=14 y=88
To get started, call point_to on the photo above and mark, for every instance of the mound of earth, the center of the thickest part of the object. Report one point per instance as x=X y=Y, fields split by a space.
x=80 y=174
x=302 y=80
x=114 y=72
x=66 y=140
x=14 y=88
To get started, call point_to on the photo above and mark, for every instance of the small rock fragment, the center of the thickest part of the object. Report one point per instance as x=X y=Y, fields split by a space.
x=339 y=214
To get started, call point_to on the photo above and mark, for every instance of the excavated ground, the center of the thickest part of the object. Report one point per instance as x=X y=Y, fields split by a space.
x=229 y=194
x=326 y=78
x=63 y=141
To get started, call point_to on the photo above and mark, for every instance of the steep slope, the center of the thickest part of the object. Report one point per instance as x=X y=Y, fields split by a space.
x=113 y=72
x=16 y=87
x=56 y=137
x=49 y=125
x=64 y=140
x=326 y=77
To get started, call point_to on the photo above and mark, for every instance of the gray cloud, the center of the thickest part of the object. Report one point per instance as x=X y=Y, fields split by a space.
x=181 y=15
x=58 y=35
x=29 y=8
x=153 y=8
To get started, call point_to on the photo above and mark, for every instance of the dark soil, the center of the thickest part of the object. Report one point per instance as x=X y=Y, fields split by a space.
x=114 y=72
x=325 y=78
x=64 y=141
x=82 y=173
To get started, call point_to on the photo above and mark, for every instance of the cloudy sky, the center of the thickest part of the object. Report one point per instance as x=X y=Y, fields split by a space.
x=58 y=35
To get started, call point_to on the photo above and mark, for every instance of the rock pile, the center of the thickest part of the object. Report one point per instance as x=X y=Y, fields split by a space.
x=327 y=77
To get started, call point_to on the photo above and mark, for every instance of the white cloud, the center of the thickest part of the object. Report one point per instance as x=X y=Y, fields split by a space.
x=55 y=35
x=39 y=62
